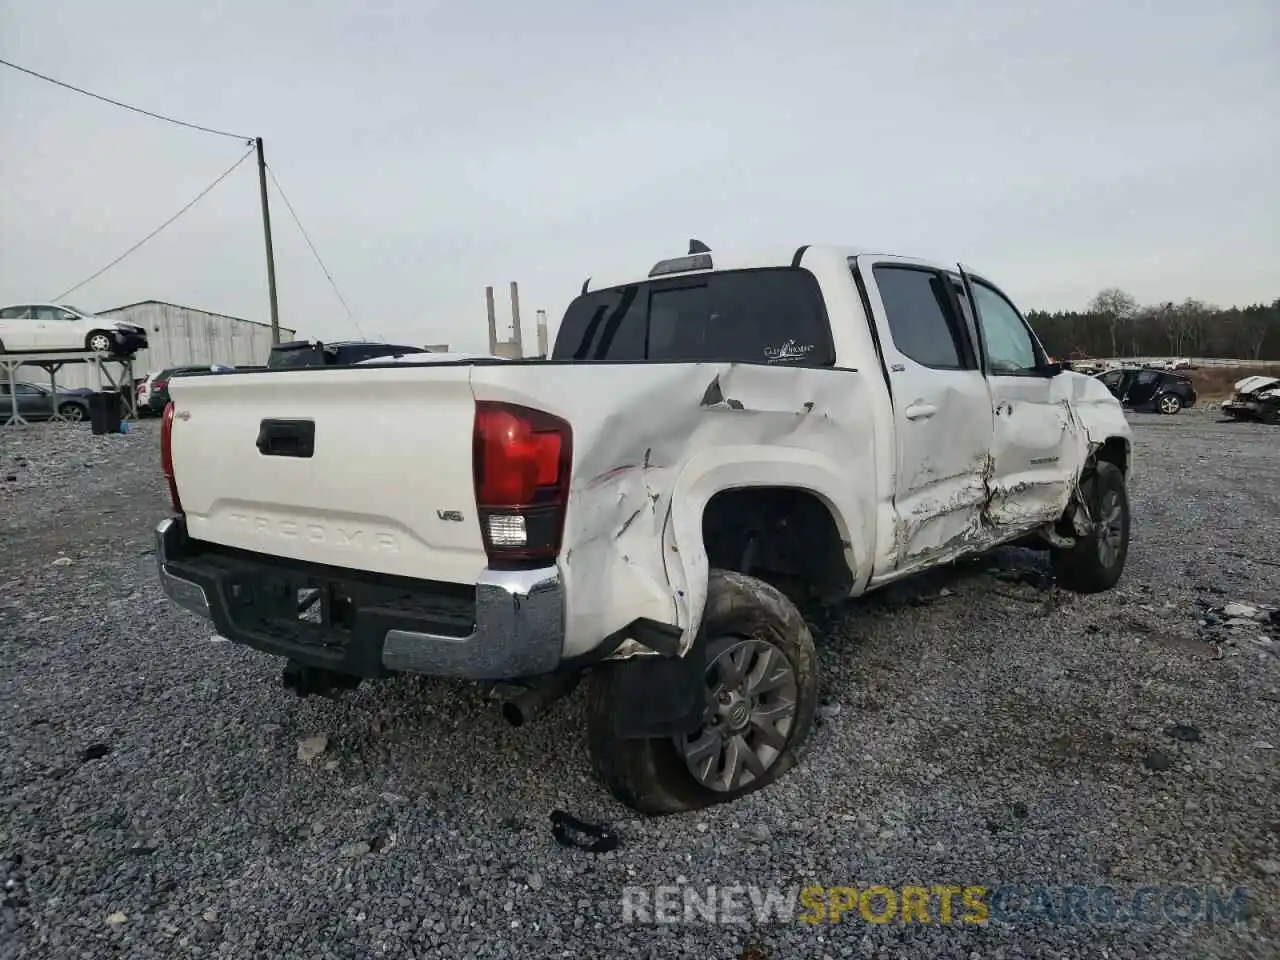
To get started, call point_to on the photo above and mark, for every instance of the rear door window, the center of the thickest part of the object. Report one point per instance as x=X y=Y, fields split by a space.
x=922 y=321
x=774 y=315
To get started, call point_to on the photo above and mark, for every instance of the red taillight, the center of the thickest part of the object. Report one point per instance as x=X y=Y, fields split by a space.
x=158 y=385
x=521 y=460
x=166 y=456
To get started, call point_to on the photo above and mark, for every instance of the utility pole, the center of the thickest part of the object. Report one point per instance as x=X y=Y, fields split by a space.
x=266 y=232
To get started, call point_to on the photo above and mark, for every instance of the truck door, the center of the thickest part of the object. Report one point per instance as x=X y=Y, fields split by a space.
x=941 y=408
x=1038 y=446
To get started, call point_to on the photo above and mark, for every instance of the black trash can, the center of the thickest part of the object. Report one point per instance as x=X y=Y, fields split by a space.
x=104 y=411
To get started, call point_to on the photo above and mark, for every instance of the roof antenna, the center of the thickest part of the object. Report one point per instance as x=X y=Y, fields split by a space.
x=697 y=246
x=584 y=284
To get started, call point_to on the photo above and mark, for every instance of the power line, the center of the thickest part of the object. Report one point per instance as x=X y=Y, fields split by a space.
x=117 y=103
x=197 y=199
x=314 y=251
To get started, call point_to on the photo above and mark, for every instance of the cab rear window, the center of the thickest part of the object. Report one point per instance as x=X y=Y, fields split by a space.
x=774 y=315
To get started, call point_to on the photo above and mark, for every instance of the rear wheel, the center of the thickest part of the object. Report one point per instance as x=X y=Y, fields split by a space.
x=761 y=690
x=1097 y=559
x=1169 y=403
x=72 y=412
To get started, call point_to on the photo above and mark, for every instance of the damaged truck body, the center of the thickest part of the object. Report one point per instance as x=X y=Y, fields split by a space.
x=707 y=447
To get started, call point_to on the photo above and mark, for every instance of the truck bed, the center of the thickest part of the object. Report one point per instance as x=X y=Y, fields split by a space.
x=389 y=485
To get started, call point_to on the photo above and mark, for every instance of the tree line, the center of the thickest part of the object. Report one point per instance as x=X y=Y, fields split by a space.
x=1116 y=325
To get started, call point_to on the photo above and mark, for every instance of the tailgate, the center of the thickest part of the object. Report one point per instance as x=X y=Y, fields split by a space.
x=386 y=485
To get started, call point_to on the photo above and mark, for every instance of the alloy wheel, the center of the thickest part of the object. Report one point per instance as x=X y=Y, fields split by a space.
x=1110 y=529
x=752 y=694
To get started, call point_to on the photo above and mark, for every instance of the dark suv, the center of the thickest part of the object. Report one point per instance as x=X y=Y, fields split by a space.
x=158 y=397
x=308 y=353
x=1142 y=389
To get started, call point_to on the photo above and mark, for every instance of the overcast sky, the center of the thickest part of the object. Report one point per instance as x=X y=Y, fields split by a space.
x=432 y=148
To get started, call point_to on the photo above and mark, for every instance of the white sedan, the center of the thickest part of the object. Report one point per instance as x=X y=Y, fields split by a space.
x=55 y=327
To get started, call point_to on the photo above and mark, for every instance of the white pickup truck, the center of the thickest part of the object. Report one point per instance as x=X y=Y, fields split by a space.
x=706 y=446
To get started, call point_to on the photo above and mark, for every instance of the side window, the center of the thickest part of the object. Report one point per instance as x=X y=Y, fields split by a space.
x=48 y=313
x=27 y=390
x=16 y=313
x=1010 y=349
x=1147 y=378
x=921 y=316
x=1111 y=380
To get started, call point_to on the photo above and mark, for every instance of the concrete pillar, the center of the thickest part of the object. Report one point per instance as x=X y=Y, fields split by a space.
x=542 y=333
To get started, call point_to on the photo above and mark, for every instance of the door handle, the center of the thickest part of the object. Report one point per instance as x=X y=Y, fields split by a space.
x=921 y=411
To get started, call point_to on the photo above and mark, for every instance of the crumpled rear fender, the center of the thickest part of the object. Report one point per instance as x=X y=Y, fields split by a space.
x=730 y=468
x=652 y=443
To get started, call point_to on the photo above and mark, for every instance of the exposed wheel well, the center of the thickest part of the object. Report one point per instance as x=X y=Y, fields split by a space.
x=780 y=534
x=1115 y=450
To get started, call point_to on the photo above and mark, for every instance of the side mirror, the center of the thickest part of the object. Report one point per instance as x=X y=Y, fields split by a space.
x=1051 y=369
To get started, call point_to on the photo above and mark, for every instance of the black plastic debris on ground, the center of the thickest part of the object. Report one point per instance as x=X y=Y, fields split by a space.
x=94 y=751
x=1184 y=732
x=569 y=831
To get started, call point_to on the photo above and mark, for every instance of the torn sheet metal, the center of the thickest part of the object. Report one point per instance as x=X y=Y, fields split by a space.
x=653 y=443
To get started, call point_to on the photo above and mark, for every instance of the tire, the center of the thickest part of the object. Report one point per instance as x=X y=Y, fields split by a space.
x=98 y=342
x=1169 y=404
x=750 y=625
x=72 y=412
x=1096 y=561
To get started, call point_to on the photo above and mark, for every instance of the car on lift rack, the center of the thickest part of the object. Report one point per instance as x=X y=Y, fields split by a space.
x=59 y=327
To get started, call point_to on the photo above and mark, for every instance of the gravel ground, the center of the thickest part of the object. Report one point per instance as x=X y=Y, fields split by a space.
x=977 y=730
